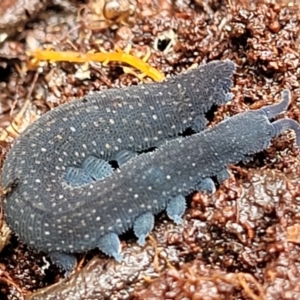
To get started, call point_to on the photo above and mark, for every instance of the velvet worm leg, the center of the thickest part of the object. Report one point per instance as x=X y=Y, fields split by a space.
x=176 y=208
x=67 y=262
x=124 y=156
x=97 y=168
x=206 y=185
x=77 y=177
x=111 y=246
x=142 y=227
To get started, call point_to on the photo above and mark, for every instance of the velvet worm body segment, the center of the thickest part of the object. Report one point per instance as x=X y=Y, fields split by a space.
x=67 y=149
x=106 y=123
x=97 y=213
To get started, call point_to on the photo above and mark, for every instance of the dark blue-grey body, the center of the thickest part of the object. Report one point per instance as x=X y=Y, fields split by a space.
x=105 y=123
x=146 y=185
x=109 y=125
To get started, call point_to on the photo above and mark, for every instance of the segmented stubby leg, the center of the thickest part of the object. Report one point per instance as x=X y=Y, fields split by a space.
x=206 y=185
x=223 y=175
x=77 y=177
x=272 y=111
x=67 y=262
x=223 y=88
x=97 y=168
x=93 y=168
x=176 y=208
x=199 y=123
x=229 y=97
x=111 y=246
x=124 y=156
x=142 y=227
x=247 y=158
x=284 y=124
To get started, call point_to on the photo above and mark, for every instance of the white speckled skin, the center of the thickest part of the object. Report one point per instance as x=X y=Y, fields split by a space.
x=50 y=215
x=145 y=184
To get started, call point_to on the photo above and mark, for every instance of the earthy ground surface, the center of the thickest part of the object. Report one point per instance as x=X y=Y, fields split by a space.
x=241 y=243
